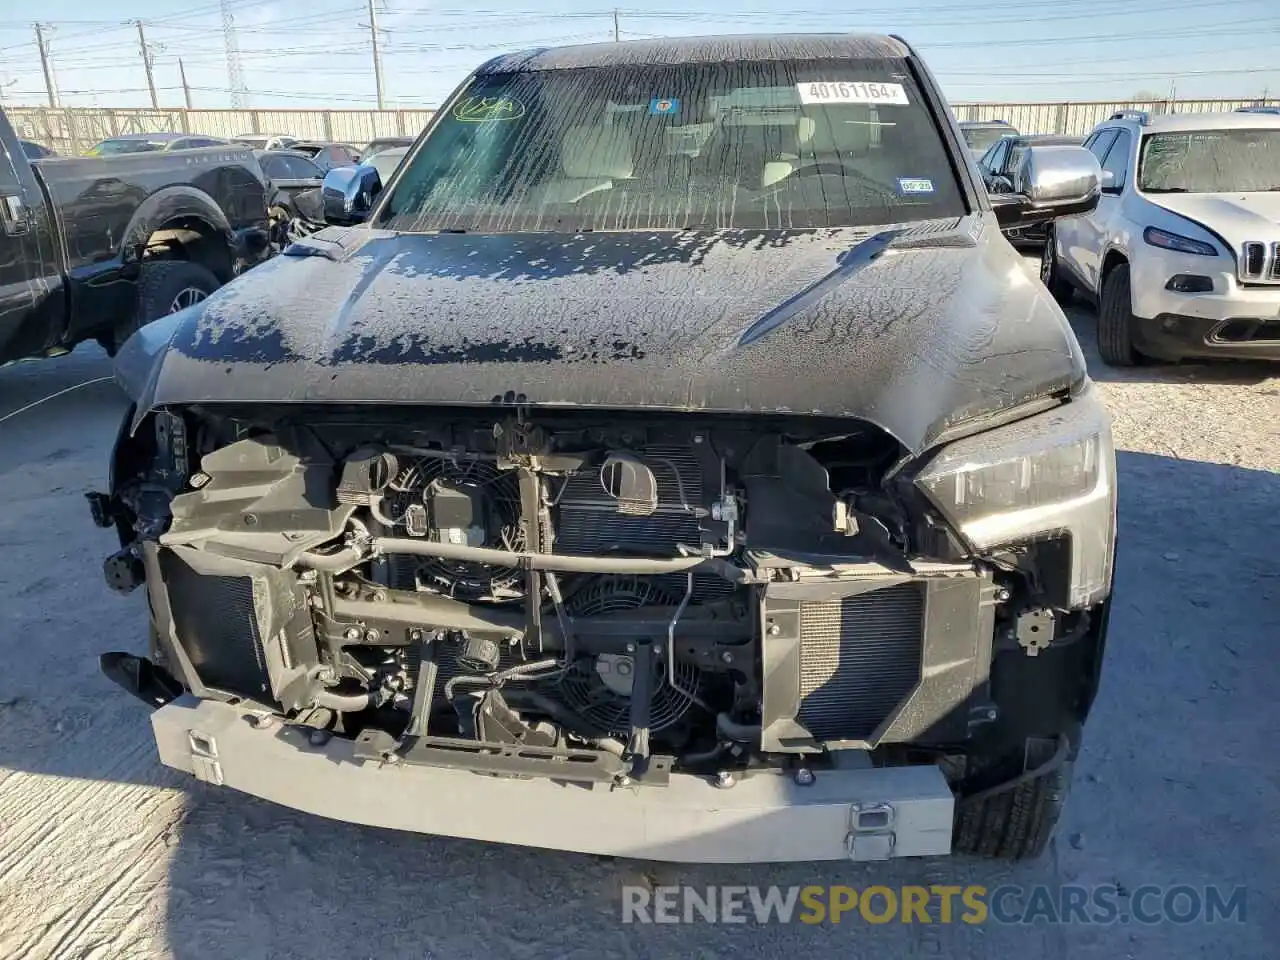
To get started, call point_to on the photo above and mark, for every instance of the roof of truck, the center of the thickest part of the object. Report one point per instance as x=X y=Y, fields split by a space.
x=678 y=50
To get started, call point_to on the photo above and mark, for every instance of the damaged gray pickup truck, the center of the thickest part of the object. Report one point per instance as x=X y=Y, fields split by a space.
x=674 y=462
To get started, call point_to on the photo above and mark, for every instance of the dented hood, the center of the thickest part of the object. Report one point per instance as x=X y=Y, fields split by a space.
x=914 y=330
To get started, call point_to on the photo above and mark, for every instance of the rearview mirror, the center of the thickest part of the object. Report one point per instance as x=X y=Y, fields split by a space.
x=1050 y=183
x=349 y=193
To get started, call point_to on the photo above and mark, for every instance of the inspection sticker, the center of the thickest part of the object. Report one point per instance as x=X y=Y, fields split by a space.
x=914 y=185
x=824 y=91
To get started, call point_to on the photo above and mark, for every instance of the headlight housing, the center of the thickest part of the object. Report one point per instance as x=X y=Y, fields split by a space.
x=1048 y=475
x=1175 y=241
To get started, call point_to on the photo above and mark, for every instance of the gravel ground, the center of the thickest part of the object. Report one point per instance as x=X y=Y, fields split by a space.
x=103 y=853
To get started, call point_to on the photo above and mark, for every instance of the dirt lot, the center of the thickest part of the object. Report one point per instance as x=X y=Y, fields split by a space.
x=103 y=853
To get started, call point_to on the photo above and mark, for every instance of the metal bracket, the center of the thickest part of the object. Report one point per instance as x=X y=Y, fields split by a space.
x=871 y=831
x=204 y=758
x=1035 y=631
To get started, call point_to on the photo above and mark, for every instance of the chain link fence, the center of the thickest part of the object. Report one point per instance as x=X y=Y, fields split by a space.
x=72 y=130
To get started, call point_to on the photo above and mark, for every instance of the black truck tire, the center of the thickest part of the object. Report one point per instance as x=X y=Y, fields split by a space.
x=1115 y=319
x=165 y=287
x=1014 y=824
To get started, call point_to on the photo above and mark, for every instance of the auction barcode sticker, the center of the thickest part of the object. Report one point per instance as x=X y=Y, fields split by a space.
x=824 y=91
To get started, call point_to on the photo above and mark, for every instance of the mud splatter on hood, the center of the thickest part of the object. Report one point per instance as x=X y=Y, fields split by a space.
x=913 y=330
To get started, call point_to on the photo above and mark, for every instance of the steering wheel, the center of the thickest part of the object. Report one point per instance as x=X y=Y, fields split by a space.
x=831 y=169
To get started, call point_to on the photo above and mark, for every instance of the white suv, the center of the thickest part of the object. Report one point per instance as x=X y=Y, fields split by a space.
x=1182 y=253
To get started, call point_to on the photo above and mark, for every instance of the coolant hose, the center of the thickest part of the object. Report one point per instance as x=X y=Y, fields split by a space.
x=349 y=557
x=345 y=702
x=738 y=732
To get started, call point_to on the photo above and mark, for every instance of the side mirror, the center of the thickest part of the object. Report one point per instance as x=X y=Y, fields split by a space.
x=348 y=194
x=1051 y=183
x=1108 y=182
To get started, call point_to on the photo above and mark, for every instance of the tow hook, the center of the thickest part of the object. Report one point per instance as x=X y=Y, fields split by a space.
x=100 y=509
x=139 y=676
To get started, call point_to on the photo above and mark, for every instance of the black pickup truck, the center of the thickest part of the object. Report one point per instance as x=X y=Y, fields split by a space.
x=90 y=248
x=676 y=443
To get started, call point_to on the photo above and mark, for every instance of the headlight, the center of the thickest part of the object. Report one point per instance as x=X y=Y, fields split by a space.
x=1049 y=475
x=1173 y=241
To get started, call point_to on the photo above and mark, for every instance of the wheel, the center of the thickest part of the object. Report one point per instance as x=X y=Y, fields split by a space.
x=1060 y=287
x=1014 y=824
x=1115 y=319
x=165 y=287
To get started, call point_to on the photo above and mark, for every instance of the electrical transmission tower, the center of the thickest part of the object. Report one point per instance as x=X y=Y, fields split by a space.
x=235 y=72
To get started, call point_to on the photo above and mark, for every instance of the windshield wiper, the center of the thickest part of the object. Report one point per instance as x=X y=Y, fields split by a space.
x=1167 y=190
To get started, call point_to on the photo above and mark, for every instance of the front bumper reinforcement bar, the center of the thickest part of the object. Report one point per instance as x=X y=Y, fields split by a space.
x=858 y=813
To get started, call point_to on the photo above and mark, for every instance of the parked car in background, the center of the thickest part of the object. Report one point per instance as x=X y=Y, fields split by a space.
x=713 y=505
x=294 y=204
x=1183 y=251
x=377 y=145
x=151 y=143
x=266 y=141
x=90 y=249
x=328 y=155
x=1275 y=110
x=35 y=151
x=999 y=167
x=981 y=134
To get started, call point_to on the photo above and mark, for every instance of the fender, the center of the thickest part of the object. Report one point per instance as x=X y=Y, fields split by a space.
x=1108 y=248
x=110 y=286
x=171 y=203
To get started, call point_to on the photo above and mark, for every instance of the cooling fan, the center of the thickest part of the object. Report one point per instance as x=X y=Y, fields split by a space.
x=497 y=492
x=598 y=687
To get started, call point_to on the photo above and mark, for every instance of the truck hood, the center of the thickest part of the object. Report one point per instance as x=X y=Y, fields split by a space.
x=1236 y=217
x=914 y=330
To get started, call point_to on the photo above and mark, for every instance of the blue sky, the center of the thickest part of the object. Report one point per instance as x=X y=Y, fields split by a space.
x=318 y=54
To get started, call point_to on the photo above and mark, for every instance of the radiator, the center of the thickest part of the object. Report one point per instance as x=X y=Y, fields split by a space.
x=859 y=658
x=587 y=519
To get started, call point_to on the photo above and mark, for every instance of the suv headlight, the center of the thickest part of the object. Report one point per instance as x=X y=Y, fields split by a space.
x=1046 y=476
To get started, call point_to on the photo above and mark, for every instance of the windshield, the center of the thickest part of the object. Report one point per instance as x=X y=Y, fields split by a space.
x=777 y=144
x=110 y=147
x=980 y=138
x=258 y=143
x=1211 y=161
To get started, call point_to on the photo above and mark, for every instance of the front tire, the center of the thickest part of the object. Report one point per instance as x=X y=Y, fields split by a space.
x=1015 y=823
x=1060 y=287
x=165 y=287
x=1116 y=320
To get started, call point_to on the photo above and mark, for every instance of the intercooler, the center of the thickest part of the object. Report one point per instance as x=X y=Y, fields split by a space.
x=859 y=658
x=882 y=658
x=242 y=627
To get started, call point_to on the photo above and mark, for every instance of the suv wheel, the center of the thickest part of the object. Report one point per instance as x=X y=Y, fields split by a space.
x=1115 y=319
x=165 y=287
x=1051 y=273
